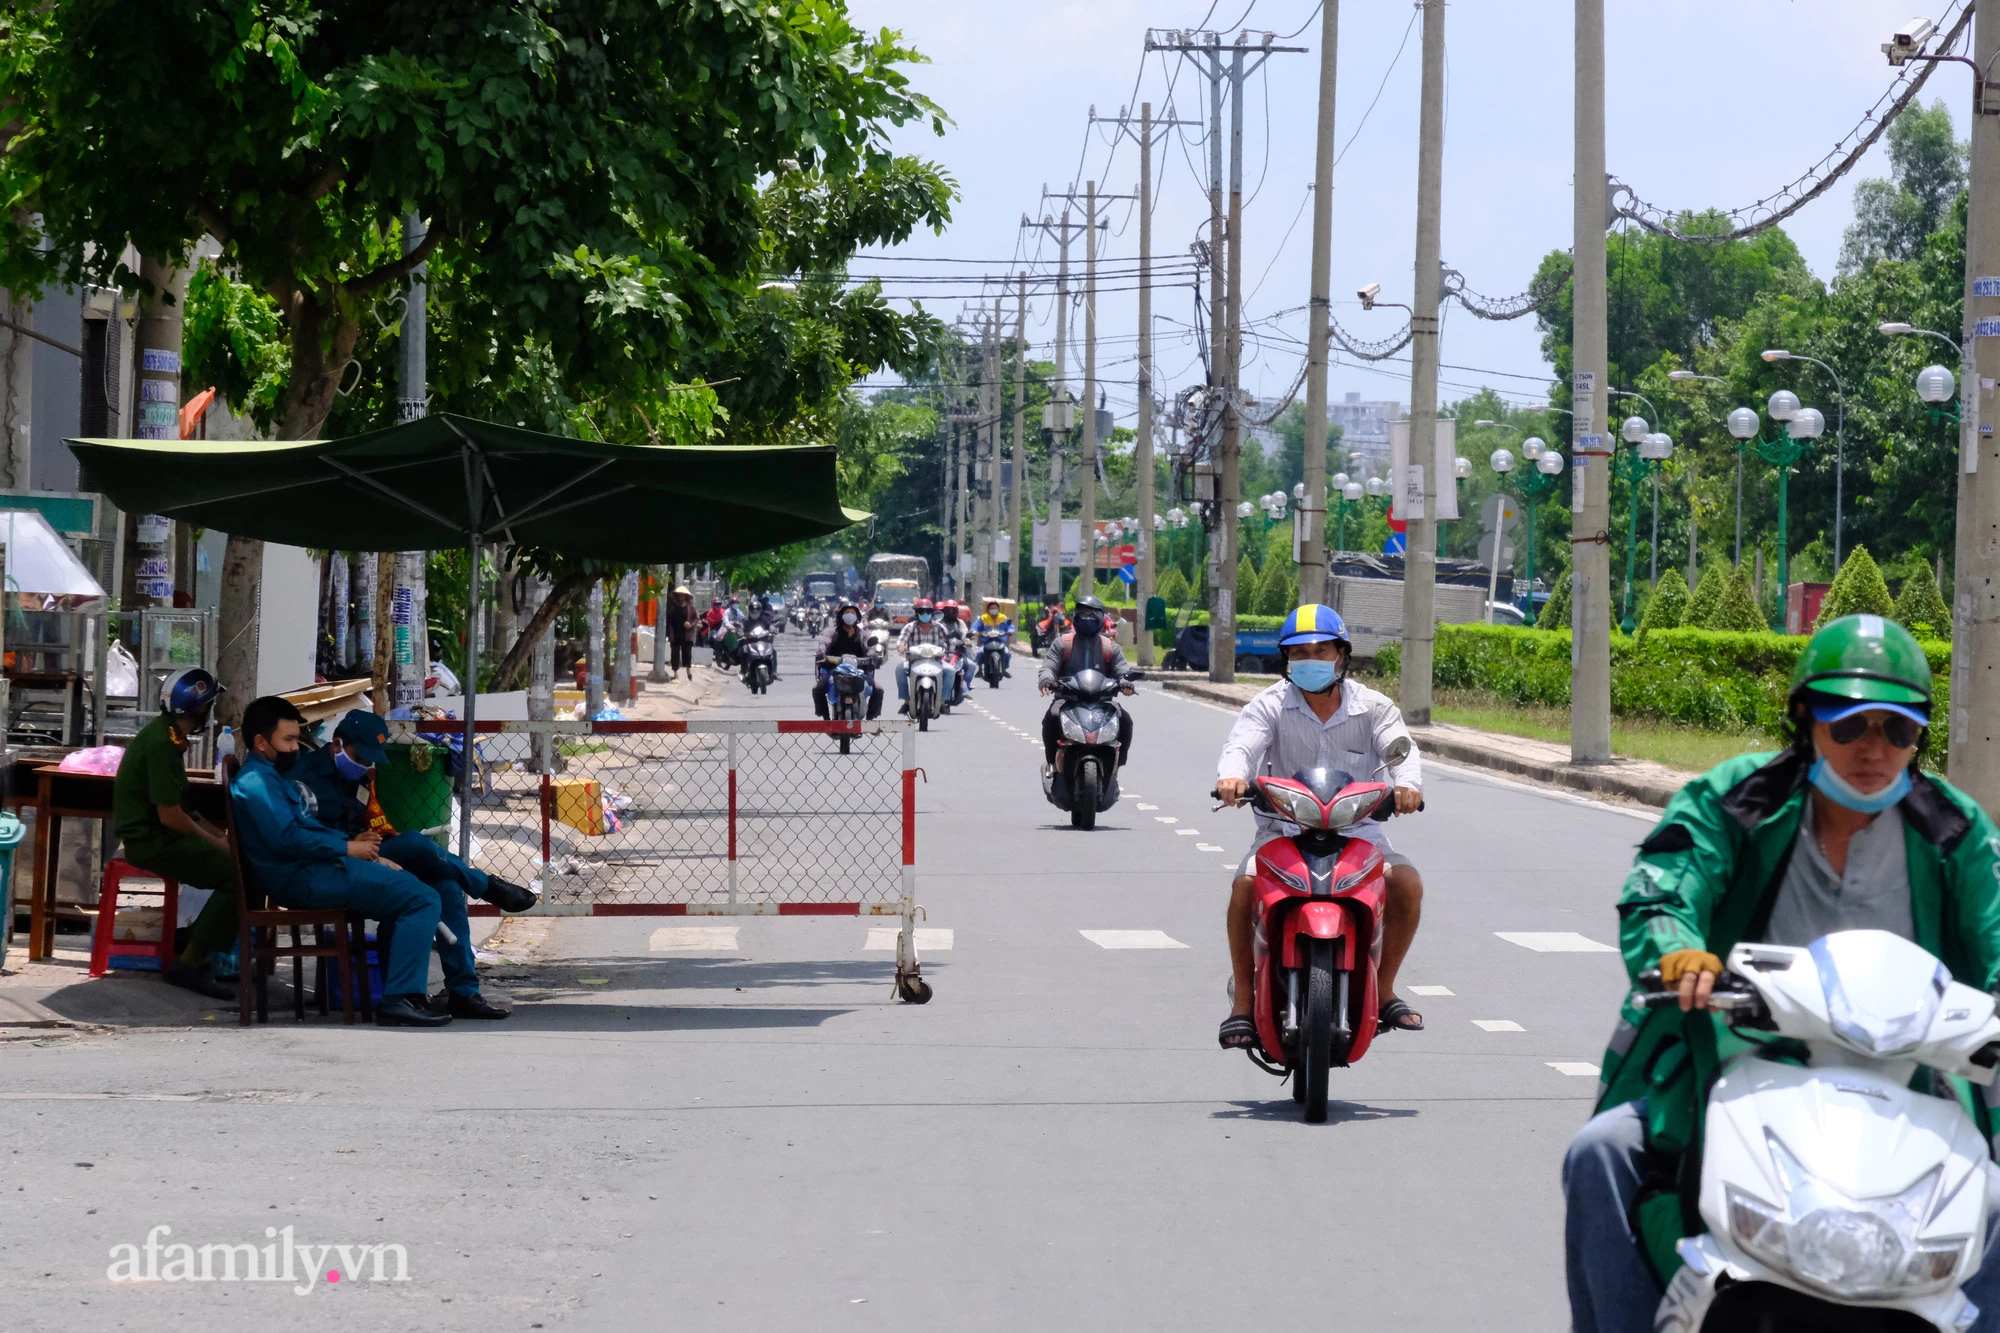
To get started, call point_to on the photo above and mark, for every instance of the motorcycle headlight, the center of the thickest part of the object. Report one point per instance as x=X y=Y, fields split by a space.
x=1297 y=806
x=1852 y=1248
x=1353 y=809
x=1074 y=727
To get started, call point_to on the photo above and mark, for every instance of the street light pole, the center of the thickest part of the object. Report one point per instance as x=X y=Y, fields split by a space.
x=1839 y=434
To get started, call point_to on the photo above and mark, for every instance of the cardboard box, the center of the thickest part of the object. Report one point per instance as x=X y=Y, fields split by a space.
x=579 y=803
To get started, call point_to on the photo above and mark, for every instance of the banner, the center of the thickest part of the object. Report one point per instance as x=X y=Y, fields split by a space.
x=1072 y=536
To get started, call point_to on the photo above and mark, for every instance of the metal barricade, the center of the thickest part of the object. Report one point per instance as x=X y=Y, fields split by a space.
x=697 y=818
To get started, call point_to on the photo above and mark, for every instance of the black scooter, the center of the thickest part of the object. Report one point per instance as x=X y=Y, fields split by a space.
x=1084 y=778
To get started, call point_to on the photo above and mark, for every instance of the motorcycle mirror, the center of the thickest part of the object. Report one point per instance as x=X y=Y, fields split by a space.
x=1396 y=751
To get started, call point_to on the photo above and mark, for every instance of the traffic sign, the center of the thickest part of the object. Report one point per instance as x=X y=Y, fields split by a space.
x=1498 y=511
x=1486 y=552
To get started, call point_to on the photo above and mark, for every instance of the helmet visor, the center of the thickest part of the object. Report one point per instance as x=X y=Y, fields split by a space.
x=1867 y=688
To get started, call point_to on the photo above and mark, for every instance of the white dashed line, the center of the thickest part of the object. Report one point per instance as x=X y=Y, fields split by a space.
x=1209 y=847
x=1188 y=832
x=1554 y=941
x=1575 y=1068
x=1497 y=1025
x=1166 y=819
x=1430 y=990
x=694 y=939
x=1149 y=807
x=930 y=939
x=1131 y=939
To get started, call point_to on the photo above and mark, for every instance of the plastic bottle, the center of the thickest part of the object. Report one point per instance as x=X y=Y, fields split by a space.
x=225 y=745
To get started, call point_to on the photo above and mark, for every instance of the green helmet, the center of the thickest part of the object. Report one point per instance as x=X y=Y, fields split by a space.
x=1869 y=658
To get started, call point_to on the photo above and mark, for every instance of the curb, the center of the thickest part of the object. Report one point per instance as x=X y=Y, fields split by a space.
x=1625 y=779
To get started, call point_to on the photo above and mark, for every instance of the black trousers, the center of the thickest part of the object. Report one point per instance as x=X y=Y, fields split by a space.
x=683 y=654
x=1052 y=733
x=821 y=709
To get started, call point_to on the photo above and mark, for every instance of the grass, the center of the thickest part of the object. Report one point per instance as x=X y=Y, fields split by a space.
x=1684 y=748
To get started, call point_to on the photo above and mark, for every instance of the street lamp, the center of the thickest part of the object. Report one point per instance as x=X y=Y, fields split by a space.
x=1535 y=487
x=1839 y=433
x=1350 y=493
x=1632 y=467
x=1656 y=448
x=1743 y=424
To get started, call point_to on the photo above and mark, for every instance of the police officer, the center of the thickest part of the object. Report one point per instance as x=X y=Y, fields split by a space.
x=304 y=864
x=341 y=777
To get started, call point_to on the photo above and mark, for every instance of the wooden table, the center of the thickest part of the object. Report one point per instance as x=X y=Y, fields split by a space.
x=56 y=795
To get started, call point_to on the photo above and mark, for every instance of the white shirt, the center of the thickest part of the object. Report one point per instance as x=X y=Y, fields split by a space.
x=1278 y=734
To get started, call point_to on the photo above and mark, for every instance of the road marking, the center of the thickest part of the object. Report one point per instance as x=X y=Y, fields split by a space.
x=1131 y=939
x=1576 y=1068
x=1430 y=990
x=1554 y=941
x=1187 y=832
x=930 y=939
x=1497 y=1025
x=1209 y=847
x=1166 y=819
x=681 y=939
x=1148 y=807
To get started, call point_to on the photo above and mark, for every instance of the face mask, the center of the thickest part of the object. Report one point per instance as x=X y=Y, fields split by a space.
x=284 y=759
x=1316 y=677
x=348 y=767
x=924 y=616
x=1088 y=624
x=848 y=617
x=1841 y=792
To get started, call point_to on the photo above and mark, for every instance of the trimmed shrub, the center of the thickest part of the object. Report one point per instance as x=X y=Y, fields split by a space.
x=1278 y=587
x=1738 y=612
x=1858 y=590
x=1920 y=607
x=1247 y=587
x=1555 y=612
x=1706 y=599
x=1668 y=604
x=1172 y=589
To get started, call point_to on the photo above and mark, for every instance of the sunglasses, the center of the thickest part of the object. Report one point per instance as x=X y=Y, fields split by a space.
x=1899 y=731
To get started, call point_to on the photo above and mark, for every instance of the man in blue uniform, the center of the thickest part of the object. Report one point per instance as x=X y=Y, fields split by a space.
x=302 y=863
x=341 y=777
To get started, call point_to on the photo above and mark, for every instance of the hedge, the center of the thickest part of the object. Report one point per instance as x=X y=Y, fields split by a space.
x=1713 y=680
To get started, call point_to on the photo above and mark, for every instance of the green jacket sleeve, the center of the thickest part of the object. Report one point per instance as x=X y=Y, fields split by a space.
x=1974 y=868
x=1684 y=868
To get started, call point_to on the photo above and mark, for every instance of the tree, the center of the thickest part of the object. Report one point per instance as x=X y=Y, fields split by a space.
x=1894 y=217
x=1555 y=611
x=1667 y=607
x=1277 y=586
x=1920 y=608
x=1706 y=599
x=1172 y=588
x=1858 y=589
x=1246 y=585
x=1739 y=611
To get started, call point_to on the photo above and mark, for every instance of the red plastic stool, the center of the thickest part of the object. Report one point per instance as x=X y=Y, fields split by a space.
x=102 y=944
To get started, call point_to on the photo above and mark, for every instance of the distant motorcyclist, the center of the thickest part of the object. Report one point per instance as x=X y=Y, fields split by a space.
x=844 y=637
x=1085 y=648
x=958 y=625
x=712 y=622
x=992 y=621
x=1049 y=627
x=924 y=627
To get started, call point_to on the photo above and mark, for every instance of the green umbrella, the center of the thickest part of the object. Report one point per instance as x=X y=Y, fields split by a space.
x=445 y=480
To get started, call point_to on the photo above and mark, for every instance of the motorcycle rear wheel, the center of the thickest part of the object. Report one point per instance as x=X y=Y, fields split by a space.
x=1316 y=1032
x=1083 y=797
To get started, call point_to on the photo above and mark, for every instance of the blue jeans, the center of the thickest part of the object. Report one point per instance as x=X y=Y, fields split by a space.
x=454 y=882
x=953 y=681
x=1611 y=1286
x=404 y=905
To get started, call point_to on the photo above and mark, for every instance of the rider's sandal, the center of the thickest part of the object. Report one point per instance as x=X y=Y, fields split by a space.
x=1239 y=1032
x=1391 y=1016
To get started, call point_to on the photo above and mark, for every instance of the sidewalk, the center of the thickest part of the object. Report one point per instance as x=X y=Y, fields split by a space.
x=58 y=993
x=1636 y=780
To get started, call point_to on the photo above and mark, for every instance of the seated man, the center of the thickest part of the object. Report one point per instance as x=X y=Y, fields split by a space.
x=844 y=638
x=1841 y=830
x=923 y=628
x=302 y=863
x=993 y=620
x=163 y=837
x=341 y=777
x=1085 y=648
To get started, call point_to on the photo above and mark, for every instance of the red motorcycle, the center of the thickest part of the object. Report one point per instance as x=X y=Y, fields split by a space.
x=1318 y=912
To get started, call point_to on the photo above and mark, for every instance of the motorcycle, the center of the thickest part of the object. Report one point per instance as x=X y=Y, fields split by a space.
x=954 y=673
x=759 y=655
x=1318 y=908
x=992 y=656
x=848 y=691
x=1835 y=1196
x=1084 y=778
x=928 y=687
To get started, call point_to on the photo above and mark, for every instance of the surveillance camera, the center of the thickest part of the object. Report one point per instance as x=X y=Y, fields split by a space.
x=1908 y=40
x=1368 y=295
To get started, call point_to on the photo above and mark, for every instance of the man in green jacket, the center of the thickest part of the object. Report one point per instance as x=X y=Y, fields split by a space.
x=1841 y=831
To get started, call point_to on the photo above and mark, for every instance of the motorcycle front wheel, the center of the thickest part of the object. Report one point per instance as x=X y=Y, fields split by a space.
x=1316 y=1032
x=1083 y=797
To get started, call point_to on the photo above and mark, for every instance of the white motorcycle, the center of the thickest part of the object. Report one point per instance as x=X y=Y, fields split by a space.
x=1834 y=1196
x=927 y=683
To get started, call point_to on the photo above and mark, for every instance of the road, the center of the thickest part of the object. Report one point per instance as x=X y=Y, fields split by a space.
x=751 y=1133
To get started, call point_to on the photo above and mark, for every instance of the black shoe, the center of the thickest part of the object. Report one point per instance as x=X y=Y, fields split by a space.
x=509 y=896
x=408 y=1011
x=198 y=980
x=474 y=1005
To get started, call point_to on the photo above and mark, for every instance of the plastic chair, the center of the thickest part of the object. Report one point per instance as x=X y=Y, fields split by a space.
x=104 y=946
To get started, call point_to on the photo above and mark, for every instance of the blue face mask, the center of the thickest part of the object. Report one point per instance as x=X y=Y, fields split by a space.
x=348 y=768
x=924 y=617
x=1838 y=790
x=1316 y=677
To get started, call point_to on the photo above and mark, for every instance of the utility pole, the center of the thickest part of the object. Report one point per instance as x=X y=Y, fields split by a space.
x=1056 y=417
x=1975 y=652
x=407 y=612
x=1086 y=542
x=1142 y=454
x=1207 y=50
x=990 y=498
x=1312 y=509
x=1590 y=477
x=1017 y=558
x=1422 y=482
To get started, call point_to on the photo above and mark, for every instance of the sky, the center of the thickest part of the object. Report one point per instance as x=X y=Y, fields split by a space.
x=1710 y=103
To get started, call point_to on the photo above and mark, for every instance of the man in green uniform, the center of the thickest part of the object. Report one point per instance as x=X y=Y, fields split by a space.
x=1841 y=831
x=162 y=836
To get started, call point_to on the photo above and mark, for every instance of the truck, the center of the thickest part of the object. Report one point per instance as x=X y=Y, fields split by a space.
x=911 y=568
x=824 y=584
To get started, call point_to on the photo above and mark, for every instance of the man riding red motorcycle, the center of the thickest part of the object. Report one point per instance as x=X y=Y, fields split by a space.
x=1316 y=718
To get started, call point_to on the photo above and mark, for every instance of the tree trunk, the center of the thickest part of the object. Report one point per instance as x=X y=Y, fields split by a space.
x=242 y=592
x=384 y=645
x=560 y=597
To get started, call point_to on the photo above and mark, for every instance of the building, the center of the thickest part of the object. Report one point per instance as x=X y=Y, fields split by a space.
x=1364 y=427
